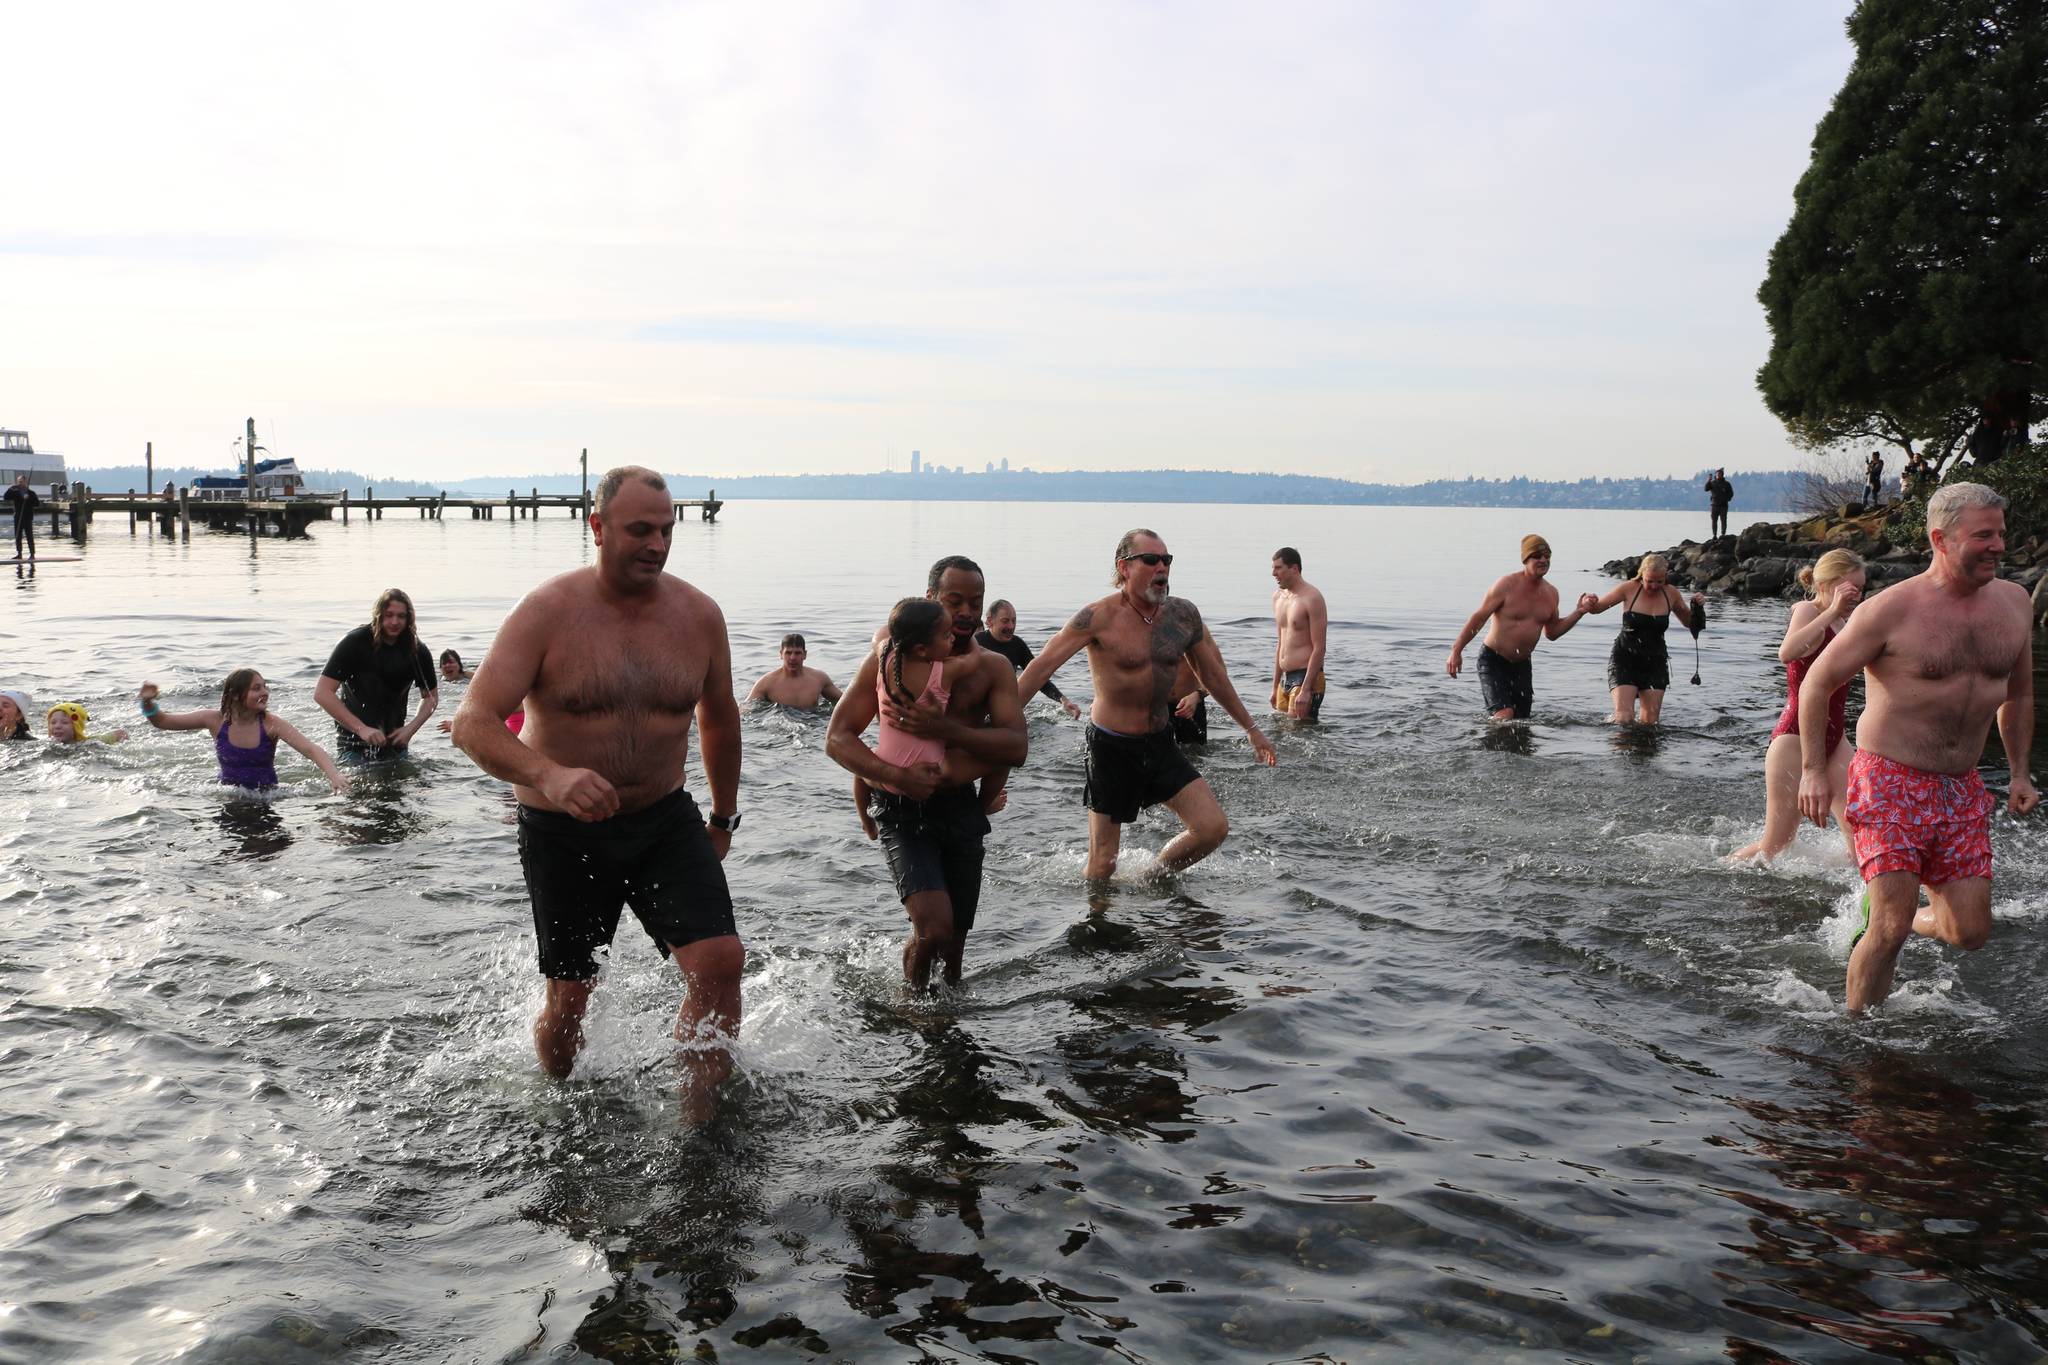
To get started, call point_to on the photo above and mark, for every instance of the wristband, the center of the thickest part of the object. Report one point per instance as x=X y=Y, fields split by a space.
x=149 y=707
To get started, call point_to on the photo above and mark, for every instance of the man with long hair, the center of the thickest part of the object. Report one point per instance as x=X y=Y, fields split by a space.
x=369 y=678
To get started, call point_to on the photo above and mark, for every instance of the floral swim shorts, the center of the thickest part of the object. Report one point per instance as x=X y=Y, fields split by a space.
x=1937 y=825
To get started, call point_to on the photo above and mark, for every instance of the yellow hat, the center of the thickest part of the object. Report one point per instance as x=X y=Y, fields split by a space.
x=73 y=710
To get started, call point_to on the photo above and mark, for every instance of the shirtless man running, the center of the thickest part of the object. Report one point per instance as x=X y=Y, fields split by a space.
x=1302 y=620
x=933 y=835
x=1521 y=607
x=1942 y=653
x=1136 y=638
x=793 y=685
x=612 y=663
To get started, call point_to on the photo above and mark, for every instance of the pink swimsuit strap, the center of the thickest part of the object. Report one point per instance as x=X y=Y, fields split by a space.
x=935 y=689
x=895 y=746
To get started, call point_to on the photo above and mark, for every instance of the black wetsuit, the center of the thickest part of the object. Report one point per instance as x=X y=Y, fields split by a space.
x=24 y=501
x=1019 y=654
x=376 y=679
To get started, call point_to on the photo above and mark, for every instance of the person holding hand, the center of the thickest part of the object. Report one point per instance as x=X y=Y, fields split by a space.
x=1639 y=666
x=1518 y=611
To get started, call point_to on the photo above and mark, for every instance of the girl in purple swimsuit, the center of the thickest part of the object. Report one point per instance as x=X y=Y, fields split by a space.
x=1836 y=582
x=245 y=732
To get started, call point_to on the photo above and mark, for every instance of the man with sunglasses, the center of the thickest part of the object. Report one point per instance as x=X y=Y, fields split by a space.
x=1136 y=639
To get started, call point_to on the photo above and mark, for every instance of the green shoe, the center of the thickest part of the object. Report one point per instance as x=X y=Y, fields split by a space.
x=1863 y=906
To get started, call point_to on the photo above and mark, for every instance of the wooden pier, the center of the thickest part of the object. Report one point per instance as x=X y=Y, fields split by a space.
x=290 y=516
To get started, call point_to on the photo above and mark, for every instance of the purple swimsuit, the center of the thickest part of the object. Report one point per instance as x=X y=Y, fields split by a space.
x=253 y=768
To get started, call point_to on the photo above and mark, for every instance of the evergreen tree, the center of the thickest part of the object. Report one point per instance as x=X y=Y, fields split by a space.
x=1905 y=299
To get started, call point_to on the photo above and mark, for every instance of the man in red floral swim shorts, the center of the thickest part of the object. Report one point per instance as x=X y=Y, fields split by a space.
x=1944 y=651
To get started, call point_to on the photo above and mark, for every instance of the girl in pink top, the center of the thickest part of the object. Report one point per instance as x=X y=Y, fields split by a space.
x=917 y=669
x=1836 y=582
x=897 y=680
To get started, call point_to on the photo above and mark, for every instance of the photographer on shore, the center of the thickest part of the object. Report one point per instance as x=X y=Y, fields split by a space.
x=1720 y=493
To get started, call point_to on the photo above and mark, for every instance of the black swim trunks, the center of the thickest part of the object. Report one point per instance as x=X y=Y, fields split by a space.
x=1192 y=729
x=934 y=845
x=1127 y=773
x=1505 y=685
x=659 y=860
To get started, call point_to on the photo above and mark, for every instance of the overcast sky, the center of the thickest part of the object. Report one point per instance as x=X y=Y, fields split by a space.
x=1380 y=241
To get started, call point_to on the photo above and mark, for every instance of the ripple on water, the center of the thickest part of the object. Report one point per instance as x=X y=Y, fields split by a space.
x=1468 y=1045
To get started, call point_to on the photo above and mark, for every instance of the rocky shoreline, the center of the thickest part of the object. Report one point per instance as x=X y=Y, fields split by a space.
x=1765 y=559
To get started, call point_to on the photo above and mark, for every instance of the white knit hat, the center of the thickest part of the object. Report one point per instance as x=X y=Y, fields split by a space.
x=20 y=699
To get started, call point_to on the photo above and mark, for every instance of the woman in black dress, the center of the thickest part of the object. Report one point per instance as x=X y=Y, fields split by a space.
x=1639 y=668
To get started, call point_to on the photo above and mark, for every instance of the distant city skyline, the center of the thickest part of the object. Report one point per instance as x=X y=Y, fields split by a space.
x=1766 y=489
x=1377 y=242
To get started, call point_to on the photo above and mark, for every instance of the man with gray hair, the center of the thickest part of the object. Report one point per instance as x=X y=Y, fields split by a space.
x=1136 y=638
x=1944 y=652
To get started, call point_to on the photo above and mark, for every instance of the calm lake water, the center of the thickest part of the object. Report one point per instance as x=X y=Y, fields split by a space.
x=1467 y=1045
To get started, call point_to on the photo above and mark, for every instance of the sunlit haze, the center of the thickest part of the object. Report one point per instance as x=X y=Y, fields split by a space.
x=1383 y=241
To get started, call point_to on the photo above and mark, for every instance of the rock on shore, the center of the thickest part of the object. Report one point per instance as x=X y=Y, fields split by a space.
x=1765 y=560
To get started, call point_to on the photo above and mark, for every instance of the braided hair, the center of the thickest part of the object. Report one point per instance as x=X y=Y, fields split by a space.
x=911 y=623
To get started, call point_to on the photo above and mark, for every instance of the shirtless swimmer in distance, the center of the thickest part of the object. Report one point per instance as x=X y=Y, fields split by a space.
x=793 y=684
x=613 y=663
x=1301 y=624
x=1522 y=608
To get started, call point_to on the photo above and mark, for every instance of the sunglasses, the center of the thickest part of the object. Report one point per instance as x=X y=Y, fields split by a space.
x=1150 y=561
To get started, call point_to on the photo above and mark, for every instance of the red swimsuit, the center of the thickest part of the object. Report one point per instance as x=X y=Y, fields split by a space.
x=1838 y=701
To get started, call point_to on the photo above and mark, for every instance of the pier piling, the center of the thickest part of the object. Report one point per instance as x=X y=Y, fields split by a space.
x=76 y=509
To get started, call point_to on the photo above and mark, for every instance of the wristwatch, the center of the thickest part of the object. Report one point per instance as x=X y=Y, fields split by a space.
x=729 y=823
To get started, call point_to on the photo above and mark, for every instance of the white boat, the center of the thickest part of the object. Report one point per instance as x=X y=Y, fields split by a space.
x=45 y=469
x=275 y=480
